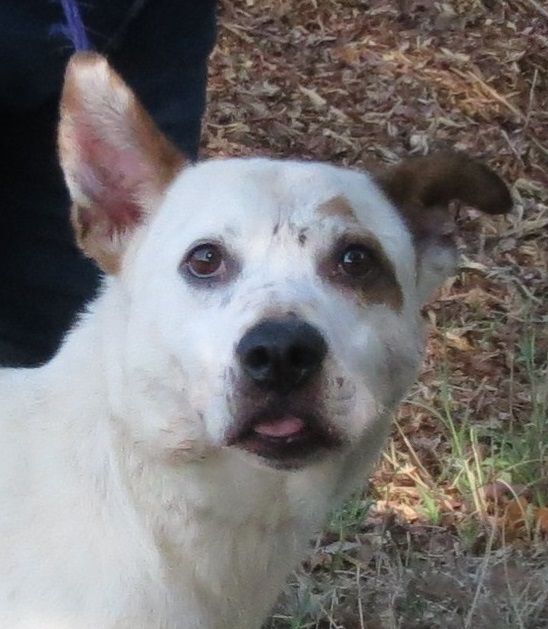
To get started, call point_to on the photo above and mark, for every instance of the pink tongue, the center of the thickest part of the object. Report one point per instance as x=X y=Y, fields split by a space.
x=283 y=427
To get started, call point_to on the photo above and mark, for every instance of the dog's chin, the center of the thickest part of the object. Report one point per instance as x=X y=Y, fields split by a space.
x=289 y=440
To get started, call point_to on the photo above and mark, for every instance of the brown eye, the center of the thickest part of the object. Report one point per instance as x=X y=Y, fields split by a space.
x=357 y=261
x=206 y=261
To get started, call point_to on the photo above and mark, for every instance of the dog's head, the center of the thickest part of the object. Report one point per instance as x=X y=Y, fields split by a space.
x=266 y=307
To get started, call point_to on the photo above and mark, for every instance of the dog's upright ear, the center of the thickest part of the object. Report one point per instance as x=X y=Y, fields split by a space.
x=422 y=189
x=116 y=162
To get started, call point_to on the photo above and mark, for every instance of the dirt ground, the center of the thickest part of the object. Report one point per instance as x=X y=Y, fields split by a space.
x=452 y=531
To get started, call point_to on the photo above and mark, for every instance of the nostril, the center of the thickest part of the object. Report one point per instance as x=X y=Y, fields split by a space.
x=301 y=357
x=258 y=358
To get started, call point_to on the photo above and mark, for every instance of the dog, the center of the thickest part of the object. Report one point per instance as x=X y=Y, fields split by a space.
x=232 y=383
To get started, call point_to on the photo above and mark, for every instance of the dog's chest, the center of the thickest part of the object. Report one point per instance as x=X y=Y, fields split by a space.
x=232 y=576
x=214 y=562
x=229 y=553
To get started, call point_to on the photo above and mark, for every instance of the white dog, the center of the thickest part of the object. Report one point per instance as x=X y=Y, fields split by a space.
x=234 y=380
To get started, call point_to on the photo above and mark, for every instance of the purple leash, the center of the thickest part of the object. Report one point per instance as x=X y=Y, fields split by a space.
x=73 y=28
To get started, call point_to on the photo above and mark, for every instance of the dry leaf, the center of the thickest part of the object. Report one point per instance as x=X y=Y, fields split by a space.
x=515 y=513
x=317 y=100
x=541 y=520
x=458 y=342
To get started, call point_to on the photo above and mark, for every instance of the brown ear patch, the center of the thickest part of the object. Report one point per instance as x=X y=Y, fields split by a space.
x=116 y=161
x=422 y=188
x=419 y=184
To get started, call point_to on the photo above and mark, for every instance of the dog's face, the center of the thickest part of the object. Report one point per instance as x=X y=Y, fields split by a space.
x=285 y=293
x=269 y=307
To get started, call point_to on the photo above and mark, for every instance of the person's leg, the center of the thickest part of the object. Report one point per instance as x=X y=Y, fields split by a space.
x=163 y=57
x=44 y=279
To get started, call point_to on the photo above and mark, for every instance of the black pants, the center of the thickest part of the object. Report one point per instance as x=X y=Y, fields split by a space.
x=44 y=279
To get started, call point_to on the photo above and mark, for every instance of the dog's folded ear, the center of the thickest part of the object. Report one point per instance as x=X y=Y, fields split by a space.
x=422 y=189
x=116 y=162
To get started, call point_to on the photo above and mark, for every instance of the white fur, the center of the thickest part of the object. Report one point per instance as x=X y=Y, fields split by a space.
x=120 y=507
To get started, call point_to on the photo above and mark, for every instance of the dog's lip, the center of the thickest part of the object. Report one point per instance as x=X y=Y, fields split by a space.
x=285 y=438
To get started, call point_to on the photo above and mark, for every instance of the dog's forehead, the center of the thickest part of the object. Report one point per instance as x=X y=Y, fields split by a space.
x=253 y=195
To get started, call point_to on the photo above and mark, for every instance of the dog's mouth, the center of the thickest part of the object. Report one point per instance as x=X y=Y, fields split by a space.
x=284 y=439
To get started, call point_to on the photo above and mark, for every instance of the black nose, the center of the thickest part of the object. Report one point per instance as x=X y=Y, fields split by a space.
x=281 y=354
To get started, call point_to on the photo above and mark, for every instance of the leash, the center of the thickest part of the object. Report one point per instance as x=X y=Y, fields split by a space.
x=73 y=28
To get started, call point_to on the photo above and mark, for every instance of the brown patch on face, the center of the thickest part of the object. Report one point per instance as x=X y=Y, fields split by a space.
x=378 y=283
x=338 y=207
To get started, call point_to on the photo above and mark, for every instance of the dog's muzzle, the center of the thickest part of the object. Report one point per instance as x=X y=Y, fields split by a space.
x=281 y=363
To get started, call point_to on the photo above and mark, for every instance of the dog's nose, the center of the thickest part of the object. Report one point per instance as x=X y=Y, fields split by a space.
x=281 y=354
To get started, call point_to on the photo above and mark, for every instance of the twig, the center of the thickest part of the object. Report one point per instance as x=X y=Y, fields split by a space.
x=413 y=454
x=512 y=147
x=538 y=144
x=531 y=99
x=360 y=605
x=537 y=6
x=492 y=92
x=481 y=580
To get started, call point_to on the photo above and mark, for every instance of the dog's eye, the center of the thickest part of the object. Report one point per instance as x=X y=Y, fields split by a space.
x=205 y=261
x=357 y=261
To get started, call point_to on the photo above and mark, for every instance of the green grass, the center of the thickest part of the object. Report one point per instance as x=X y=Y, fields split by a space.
x=347 y=520
x=430 y=506
x=514 y=454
